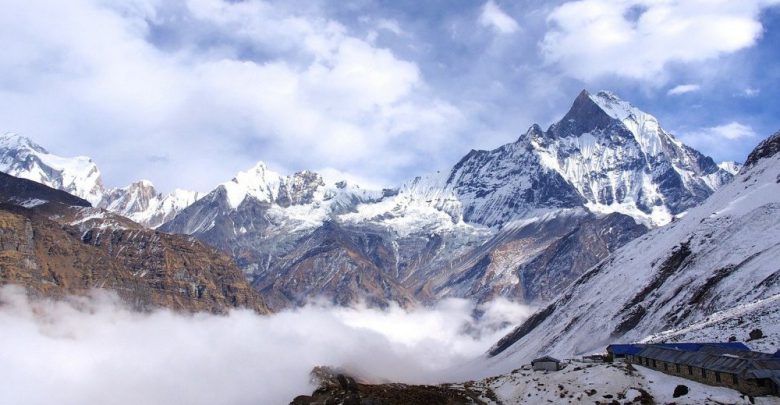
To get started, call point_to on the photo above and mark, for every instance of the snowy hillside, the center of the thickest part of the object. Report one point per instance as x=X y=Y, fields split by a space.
x=720 y=257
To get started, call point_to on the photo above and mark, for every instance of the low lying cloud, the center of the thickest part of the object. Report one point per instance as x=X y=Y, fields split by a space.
x=94 y=350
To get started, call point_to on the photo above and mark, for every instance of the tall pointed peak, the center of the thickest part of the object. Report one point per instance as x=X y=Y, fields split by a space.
x=585 y=115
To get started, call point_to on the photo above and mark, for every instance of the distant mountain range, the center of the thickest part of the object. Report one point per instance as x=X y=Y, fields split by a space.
x=522 y=221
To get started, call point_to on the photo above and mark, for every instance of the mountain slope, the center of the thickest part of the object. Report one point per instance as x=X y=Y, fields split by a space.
x=54 y=249
x=721 y=255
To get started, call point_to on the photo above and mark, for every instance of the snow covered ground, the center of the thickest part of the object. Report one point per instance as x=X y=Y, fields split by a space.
x=604 y=383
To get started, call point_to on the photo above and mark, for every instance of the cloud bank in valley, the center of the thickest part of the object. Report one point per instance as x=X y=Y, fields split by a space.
x=94 y=350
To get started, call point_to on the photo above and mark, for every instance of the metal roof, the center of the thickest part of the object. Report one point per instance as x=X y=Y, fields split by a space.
x=686 y=347
x=735 y=362
x=625 y=348
x=545 y=359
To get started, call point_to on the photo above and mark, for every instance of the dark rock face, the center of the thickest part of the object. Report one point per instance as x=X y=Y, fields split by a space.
x=767 y=148
x=584 y=116
x=336 y=388
x=569 y=257
x=16 y=190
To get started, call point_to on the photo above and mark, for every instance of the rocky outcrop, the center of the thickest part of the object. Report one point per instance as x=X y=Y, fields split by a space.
x=147 y=269
x=334 y=387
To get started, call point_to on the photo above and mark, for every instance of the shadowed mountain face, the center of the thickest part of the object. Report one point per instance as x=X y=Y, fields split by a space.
x=54 y=249
x=29 y=193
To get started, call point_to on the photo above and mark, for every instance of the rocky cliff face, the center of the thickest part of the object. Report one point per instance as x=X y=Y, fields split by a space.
x=716 y=264
x=54 y=249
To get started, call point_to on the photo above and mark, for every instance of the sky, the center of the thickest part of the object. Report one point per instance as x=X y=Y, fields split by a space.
x=186 y=93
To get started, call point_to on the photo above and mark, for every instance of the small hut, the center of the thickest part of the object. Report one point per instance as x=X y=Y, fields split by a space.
x=546 y=363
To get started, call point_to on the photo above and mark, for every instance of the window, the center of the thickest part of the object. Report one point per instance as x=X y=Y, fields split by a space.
x=690 y=370
x=734 y=379
x=717 y=376
x=761 y=382
x=703 y=373
x=677 y=368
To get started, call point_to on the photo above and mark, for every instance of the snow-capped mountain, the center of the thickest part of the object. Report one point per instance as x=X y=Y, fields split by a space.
x=80 y=176
x=730 y=167
x=715 y=264
x=620 y=160
x=141 y=202
x=488 y=226
x=20 y=157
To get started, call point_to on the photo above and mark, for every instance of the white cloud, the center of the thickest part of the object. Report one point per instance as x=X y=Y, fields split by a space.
x=492 y=16
x=725 y=140
x=93 y=350
x=731 y=131
x=638 y=38
x=751 y=92
x=245 y=81
x=683 y=89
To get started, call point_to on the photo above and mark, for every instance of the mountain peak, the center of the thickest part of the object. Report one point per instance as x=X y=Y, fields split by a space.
x=586 y=114
x=12 y=140
x=614 y=106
